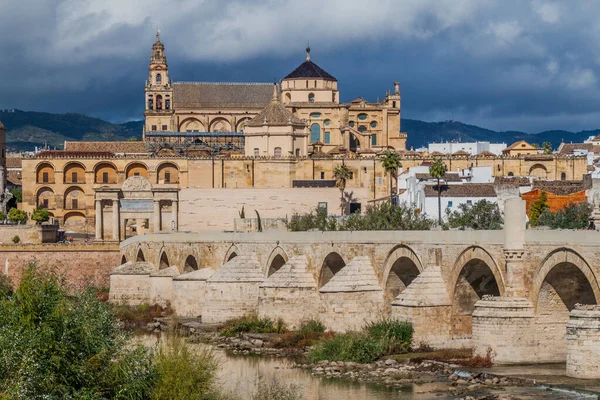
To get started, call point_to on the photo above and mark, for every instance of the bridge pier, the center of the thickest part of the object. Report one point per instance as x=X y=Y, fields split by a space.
x=583 y=343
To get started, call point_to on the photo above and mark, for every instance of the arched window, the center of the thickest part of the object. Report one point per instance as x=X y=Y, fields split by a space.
x=511 y=174
x=277 y=152
x=288 y=98
x=158 y=79
x=373 y=140
x=315 y=133
x=563 y=176
x=167 y=104
x=150 y=102
x=311 y=97
x=159 y=102
x=256 y=152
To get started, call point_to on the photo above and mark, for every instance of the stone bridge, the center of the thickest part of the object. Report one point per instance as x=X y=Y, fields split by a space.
x=509 y=290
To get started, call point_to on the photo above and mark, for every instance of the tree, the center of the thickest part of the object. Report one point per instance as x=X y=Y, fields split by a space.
x=547 y=147
x=572 y=216
x=17 y=215
x=342 y=173
x=40 y=215
x=391 y=163
x=17 y=197
x=483 y=215
x=537 y=208
x=437 y=170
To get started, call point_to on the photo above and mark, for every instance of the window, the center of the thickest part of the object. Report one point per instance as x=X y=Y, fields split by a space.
x=351 y=175
x=158 y=79
x=45 y=203
x=74 y=177
x=297 y=152
x=315 y=133
x=277 y=152
x=394 y=104
x=322 y=205
x=322 y=175
x=380 y=181
x=167 y=104
x=105 y=177
x=327 y=137
x=563 y=176
x=256 y=152
x=511 y=174
x=136 y=174
x=159 y=102
x=74 y=204
x=351 y=123
x=45 y=177
x=373 y=140
x=150 y=104
x=164 y=127
x=154 y=127
x=362 y=128
x=449 y=204
x=315 y=83
x=373 y=124
x=362 y=117
x=167 y=177
x=311 y=97
x=315 y=115
x=327 y=122
x=469 y=202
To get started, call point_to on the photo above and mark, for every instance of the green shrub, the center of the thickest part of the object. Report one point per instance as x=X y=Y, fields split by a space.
x=482 y=215
x=352 y=346
x=60 y=345
x=275 y=390
x=40 y=215
x=395 y=336
x=17 y=215
x=572 y=216
x=184 y=372
x=16 y=239
x=252 y=324
x=311 y=326
x=6 y=288
x=308 y=333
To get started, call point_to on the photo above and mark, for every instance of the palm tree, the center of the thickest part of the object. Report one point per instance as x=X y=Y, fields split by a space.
x=391 y=163
x=342 y=173
x=437 y=170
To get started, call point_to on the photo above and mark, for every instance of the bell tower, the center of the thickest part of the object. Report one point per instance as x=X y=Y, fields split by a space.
x=158 y=92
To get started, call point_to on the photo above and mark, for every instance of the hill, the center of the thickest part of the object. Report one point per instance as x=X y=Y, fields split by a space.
x=28 y=129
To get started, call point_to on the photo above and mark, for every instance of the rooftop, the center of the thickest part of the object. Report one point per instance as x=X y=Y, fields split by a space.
x=464 y=190
x=309 y=69
x=211 y=94
x=559 y=188
x=137 y=147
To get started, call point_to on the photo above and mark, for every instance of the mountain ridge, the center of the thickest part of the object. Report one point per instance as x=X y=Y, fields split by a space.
x=28 y=129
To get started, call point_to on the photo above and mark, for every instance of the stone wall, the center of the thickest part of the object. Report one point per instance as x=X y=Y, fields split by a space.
x=81 y=264
x=27 y=233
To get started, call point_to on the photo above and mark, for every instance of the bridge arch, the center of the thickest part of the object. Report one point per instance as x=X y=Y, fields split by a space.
x=474 y=275
x=232 y=252
x=562 y=280
x=123 y=259
x=276 y=260
x=164 y=260
x=401 y=267
x=140 y=255
x=190 y=264
x=332 y=264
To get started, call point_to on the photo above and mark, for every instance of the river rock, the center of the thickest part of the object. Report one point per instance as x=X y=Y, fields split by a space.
x=390 y=361
x=391 y=371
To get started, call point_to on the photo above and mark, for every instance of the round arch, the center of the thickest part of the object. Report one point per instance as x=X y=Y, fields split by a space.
x=105 y=172
x=191 y=125
x=74 y=219
x=140 y=256
x=277 y=259
x=163 y=262
x=136 y=168
x=74 y=198
x=190 y=264
x=44 y=172
x=74 y=172
x=241 y=123
x=45 y=197
x=401 y=267
x=563 y=280
x=332 y=264
x=538 y=170
x=220 y=124
x=167 y=172
x=232 y=252
x=474 y=275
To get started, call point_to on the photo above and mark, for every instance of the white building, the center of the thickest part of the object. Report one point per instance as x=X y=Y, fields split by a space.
x=473 y=148
x=416 y=187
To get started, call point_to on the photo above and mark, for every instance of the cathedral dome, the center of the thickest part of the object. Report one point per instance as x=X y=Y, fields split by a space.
x=275 y=114
x=310 y=70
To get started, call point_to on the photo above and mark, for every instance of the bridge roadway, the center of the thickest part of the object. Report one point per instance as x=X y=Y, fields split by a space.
x=510 y=290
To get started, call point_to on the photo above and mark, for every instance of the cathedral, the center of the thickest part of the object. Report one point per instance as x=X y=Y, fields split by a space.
x=296 y=117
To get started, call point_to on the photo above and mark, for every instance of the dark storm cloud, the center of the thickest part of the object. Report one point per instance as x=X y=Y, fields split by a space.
x=502 y=64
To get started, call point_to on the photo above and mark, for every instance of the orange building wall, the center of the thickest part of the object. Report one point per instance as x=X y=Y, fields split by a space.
x=555 y=202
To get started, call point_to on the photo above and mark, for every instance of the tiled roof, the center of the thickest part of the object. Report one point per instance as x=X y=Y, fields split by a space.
x=448 y=177
x=13 y=162
x=461 y=153
x=559 y=188
x=203 y=94
x=596 y=138
x=513 y=180
x=137 y=147
x=463 y=190
x=570 y=148
x=275 y=114
x=14 y=177
x=486 y=153
x=71 y=154
x=519 y=145
x=309 y=69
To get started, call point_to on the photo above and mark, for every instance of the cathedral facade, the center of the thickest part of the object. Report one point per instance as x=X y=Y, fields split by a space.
x=205 y=119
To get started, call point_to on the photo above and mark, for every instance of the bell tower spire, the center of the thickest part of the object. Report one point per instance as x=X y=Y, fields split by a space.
x=159 y=93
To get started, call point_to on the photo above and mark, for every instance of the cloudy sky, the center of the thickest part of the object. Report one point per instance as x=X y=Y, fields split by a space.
x=501 y=64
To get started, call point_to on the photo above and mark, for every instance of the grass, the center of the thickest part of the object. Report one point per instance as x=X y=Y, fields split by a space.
x=251 y=323
x=143 y=314
x=372 y=342
x=309 y=333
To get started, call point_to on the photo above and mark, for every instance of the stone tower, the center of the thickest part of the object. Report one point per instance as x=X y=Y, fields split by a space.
x=158 y=92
